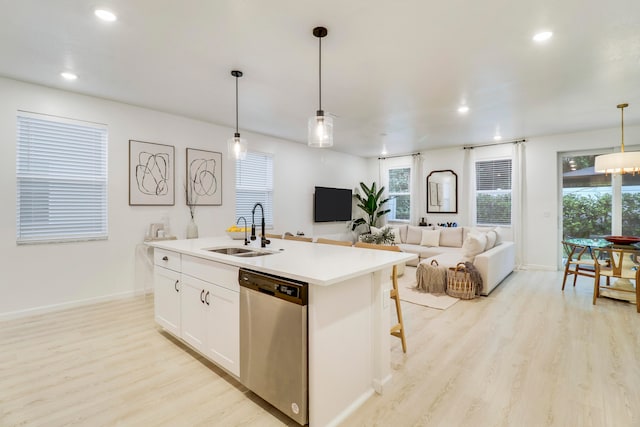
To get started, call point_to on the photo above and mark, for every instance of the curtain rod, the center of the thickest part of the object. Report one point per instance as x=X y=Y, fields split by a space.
x=399 y=155
x=471 y=147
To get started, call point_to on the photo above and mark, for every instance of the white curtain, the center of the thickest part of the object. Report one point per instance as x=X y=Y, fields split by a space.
x=518 y=190
x=468 y=208
x=418 y=189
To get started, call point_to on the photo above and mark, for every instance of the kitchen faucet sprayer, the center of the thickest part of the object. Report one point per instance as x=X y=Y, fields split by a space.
x=263 y=240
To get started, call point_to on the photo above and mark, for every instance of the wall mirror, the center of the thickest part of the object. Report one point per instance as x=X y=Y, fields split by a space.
x=442 y=192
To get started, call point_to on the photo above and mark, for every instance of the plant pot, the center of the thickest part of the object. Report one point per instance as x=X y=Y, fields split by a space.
x=192 y=230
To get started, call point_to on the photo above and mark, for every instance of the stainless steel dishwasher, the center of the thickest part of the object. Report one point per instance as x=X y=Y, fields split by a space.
x=273 y=341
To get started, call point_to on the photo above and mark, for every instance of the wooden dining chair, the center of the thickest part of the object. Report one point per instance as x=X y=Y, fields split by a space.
x=579 y=262
x=397 y=330
x=298 y=238
x=333 y=242
x=619 y=264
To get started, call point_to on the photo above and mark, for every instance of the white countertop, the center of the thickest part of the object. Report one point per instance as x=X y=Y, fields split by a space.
x=315 y=263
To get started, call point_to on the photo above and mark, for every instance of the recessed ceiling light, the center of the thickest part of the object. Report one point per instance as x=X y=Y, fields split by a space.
x=105 y=15
x=463 y=109
x=69 y=76
x=542 y=36
x=497 y=137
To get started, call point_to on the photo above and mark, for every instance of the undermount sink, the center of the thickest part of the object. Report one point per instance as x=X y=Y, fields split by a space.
x=242 y=252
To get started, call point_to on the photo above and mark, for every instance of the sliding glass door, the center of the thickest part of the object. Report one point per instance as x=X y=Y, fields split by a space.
x=594 y=204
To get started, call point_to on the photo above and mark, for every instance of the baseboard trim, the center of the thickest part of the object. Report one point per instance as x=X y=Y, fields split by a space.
x=11 y=315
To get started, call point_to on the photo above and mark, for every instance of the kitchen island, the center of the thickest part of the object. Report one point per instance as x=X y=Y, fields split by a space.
x=348 y=310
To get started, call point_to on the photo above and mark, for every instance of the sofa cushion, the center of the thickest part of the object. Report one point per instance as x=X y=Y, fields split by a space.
x=430 y=238
x=473 y=245
x=451 y=237
x=492 y=237
x=414 y=235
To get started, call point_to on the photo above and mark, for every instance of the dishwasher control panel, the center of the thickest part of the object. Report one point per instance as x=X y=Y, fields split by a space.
x=279 y=287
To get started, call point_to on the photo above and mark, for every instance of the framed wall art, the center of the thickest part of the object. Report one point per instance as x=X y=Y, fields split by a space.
x=151 y=174
x=204 y=178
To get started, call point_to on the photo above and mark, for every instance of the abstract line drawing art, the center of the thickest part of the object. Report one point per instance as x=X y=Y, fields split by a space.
x=204 y=177
x=151 y=174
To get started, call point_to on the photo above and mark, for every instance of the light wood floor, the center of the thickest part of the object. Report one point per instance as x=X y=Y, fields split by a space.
x=527 y=355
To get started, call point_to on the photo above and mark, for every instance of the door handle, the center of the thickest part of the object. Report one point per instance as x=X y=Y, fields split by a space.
x=175 y=286
x=206 y=298
x=202 y=296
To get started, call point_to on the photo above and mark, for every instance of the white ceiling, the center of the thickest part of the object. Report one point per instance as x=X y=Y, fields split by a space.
x=393 y=72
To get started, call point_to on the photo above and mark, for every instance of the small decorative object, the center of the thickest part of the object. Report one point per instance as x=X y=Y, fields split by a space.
x=622 y=240
x=192 y=230
x=192 y=227
x=204 y=177
x=151 y=174
x=384 y=237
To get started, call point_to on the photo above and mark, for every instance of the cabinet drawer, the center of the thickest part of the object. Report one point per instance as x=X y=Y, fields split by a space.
x=211 y=271
x=166 y=259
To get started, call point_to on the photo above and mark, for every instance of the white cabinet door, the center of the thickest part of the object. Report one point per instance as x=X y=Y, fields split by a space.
x=194 y=313
x=223 y=328
x=167 y=299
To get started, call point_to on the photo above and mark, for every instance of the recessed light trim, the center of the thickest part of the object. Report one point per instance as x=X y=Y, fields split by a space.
x=542 y=36
x=105 y=15
x=497 y=137
x=463 y=109
x=69 y=76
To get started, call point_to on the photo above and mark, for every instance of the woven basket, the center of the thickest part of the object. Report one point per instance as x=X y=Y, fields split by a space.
x=459 y=283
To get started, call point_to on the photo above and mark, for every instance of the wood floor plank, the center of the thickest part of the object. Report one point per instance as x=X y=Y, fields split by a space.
x=526 y=355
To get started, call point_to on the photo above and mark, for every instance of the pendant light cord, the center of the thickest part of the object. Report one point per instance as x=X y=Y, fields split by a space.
x=319 y=73
x=622 y=126
x=237 y=104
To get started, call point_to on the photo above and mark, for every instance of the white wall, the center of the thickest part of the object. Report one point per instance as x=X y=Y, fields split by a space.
x=42 y=277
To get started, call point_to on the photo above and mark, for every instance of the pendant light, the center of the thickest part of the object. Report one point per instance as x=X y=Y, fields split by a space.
x=622 y=162
x=237 y=147
x=320 y=131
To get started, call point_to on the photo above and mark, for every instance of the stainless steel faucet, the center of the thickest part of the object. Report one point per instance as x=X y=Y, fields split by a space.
x=263 y=240
x=246 y=241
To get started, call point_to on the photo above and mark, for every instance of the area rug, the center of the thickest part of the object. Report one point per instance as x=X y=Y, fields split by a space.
x=409 y=293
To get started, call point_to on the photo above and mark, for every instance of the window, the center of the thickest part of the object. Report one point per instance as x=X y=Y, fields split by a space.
x=399 y=194
x=493 y=192
x=254 y=183
x=61 y=175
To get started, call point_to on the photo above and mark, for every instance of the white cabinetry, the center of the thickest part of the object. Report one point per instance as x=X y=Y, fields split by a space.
x=166 y=282
x=198 y=301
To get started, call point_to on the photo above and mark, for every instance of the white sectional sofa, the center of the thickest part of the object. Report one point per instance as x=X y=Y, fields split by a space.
x=494 y=257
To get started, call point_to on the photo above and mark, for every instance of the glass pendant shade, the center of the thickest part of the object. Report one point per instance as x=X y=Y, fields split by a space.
x=320 y=131
x=237 y=147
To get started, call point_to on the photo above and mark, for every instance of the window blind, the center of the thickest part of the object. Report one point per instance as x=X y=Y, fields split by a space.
x=61 y=175
x=493 y=192
x=254 y=183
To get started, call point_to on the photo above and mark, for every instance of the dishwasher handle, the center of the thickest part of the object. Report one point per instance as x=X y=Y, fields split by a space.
x=282 y=288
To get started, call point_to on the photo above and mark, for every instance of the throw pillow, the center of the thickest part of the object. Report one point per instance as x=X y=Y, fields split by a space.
x=430 y=238
x=414 y=235
x=473 y=245
x=451 y=237
x=492 y=237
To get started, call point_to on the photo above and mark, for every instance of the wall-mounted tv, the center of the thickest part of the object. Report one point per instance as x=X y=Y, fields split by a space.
x=332 y=204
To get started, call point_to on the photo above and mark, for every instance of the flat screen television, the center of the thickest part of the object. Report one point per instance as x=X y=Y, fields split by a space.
x=332 y=204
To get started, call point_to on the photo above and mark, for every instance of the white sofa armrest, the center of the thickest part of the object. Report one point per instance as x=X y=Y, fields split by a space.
x=495 y=264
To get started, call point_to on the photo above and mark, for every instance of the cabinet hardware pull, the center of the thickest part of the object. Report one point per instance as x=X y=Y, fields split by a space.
x=165 y=258
x=202 y=296
x=206 y=298
x=175 y=286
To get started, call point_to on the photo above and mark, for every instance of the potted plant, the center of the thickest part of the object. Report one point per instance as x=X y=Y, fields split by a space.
x=372 y=205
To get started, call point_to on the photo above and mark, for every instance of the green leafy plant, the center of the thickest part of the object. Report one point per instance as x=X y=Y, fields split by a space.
x=372 y=205
x=385 y=237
